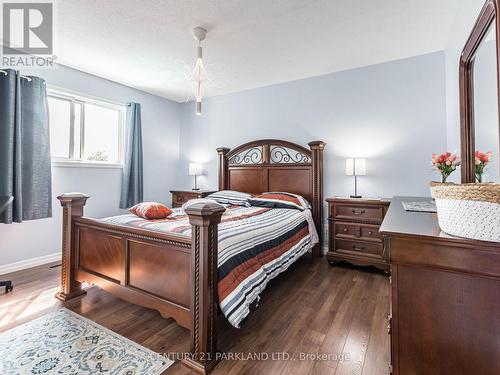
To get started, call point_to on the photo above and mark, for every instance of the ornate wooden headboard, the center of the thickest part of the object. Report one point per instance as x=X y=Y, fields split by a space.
x=275 y=165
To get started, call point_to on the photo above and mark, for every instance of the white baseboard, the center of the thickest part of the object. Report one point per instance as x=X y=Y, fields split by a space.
x=29 y=263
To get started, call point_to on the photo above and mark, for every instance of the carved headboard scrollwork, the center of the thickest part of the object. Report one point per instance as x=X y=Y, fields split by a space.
x=276 y=165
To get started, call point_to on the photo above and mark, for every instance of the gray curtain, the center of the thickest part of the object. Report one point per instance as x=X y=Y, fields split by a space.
x=132 y=167
x=24 y=148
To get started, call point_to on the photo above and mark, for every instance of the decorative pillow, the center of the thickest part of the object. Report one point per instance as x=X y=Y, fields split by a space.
x=231 y=197
x=150 y=210
x=278 y=199
x=199 y=200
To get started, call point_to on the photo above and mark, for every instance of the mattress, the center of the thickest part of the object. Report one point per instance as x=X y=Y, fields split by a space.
x=255 y=245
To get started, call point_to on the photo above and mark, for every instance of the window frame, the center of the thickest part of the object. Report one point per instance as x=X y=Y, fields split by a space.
x=80 y=99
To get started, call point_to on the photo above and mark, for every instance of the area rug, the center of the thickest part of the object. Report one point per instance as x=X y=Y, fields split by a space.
x=64 y=342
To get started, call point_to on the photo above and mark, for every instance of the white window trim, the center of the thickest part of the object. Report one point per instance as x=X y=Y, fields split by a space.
x=74 y=96
x=83 y=164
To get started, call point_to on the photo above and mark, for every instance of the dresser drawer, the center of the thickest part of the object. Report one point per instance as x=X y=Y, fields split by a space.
x=358 y=212
x=355 y=231
x=359 y=247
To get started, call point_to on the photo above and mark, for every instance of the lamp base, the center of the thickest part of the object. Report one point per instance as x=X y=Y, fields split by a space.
x=356 y=196
x=195 y=189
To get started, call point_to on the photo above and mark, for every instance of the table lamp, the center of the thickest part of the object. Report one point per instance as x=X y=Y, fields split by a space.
x=195 y=169
x=355 y=167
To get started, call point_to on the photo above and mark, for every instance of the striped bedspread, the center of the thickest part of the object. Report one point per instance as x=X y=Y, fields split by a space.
x=255 y=245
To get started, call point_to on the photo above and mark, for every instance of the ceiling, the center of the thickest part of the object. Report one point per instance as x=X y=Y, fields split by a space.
x=146 y=44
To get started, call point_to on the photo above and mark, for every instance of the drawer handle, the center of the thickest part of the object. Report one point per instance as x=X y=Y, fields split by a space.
x=370 y=232
x=358 y=248
x=356 y=212
x=346 y=230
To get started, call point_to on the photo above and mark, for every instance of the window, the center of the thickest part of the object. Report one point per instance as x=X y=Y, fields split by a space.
x=85 y=130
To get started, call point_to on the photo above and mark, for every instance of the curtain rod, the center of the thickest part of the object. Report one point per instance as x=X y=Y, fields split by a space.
x=25 y=77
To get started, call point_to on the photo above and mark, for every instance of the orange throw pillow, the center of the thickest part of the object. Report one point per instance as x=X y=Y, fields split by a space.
x=151 y=210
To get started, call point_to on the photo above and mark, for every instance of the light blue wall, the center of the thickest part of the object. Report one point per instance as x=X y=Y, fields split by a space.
x=394 y=114
x=452 y=57
x=160 y=128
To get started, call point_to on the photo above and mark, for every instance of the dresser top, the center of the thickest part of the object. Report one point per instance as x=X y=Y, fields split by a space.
x=420 y=225
x=399 y=221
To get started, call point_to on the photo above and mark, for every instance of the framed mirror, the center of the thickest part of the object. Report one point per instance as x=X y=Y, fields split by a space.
x=479 y=99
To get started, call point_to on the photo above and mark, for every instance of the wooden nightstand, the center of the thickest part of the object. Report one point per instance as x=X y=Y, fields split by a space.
x=353 y=226
x=179 y=197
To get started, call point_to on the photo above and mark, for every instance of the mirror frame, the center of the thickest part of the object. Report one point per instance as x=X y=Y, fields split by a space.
x=488 y=15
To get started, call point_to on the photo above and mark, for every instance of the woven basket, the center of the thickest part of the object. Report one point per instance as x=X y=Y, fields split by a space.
x=468 y=210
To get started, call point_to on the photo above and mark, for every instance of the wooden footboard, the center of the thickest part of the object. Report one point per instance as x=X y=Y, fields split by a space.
x=173 y=274
x=177 y=275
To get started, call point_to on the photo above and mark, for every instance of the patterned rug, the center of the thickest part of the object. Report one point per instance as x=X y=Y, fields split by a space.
x=64 y=342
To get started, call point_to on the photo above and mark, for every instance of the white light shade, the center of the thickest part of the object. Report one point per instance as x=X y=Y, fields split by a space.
x=195 y=169
x=355 y=167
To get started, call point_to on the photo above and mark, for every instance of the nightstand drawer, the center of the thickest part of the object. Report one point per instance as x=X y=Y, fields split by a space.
x=179 y=197
x=354 y=231
x=357 y=231
x=359 y=247
x=358 y=212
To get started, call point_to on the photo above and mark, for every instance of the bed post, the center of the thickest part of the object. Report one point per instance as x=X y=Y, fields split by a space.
x=204 y=218
x=72 y=204
x=317 y=148
x=223 y=177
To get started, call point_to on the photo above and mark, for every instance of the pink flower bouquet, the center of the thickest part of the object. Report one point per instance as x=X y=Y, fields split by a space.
x=445 y=163
x=482 y=160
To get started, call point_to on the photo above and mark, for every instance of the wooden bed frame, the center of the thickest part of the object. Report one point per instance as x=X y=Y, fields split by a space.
x=171 y=273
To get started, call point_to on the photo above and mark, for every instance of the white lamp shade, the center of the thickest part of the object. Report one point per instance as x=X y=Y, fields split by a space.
x=355 y=167
x=195 y=169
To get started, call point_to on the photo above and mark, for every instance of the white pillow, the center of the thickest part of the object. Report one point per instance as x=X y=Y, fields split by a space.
x=280 y=199
x=236 y=198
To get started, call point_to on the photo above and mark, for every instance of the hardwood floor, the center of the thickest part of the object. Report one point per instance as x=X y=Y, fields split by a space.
x=311 y=309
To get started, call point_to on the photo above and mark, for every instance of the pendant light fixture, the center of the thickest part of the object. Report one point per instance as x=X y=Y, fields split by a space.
x=199 y=75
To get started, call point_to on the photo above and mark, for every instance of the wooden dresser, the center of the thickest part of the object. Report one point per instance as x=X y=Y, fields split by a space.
x=353 y=226
x=445 y=297
x=179 y=197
